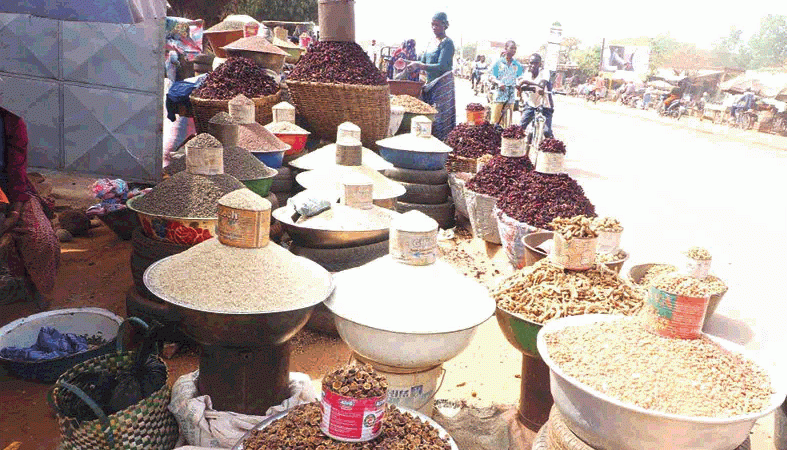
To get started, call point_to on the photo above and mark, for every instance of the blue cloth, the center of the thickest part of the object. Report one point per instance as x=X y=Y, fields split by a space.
x=3 y=175
x=179 y=94
x=439 y=59
x=529 y=113
x=507 y=74
x=51 y=344
x=441 y=94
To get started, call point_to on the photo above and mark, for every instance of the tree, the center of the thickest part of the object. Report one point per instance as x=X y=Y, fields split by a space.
x=568 y=47
x=769 y=45
x=213 y=11
x=731 y=50
x=588 y=60
x=469 y=51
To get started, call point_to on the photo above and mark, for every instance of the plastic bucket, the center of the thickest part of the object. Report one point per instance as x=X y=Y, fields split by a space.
x=482 y=218
x=296 y=141
x=512 y=237
x=336 y=20
x=574 y=254
x=674 y=316
x=274 y=160
x=351 y=419
x=475 y=117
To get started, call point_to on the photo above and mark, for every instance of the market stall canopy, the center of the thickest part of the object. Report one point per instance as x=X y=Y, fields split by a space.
x=105 y=11
x=660 y=85
x=762 y=83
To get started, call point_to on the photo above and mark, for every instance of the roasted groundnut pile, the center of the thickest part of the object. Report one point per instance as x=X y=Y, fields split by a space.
x=356 y=382
x=675 y=283
x=608 y=224
x=713 y=283
x=698 y=253
x=690 y=377
x=574 y=227
x=543 y=292
x=300 y=430
x=412 y=104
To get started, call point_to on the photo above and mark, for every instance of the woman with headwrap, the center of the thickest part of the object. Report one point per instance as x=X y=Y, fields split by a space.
x=407 y=53
x=438 y=62
x=27 y=240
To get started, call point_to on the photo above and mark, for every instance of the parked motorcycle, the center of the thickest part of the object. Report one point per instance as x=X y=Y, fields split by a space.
x=676 y=109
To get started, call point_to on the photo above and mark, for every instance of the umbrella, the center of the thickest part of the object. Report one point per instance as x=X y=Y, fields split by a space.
x=742 y=83
x=762 y=83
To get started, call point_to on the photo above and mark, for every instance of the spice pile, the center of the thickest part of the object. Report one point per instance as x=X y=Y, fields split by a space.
x=604 y=258
x=187 y=195
x=412 y=104
x=698 y=253
x=245 y=199
x=237 y=76
x=204 y=140
x=285 y=127
x=607 y=224
x=543 y=292
x=473 y=141
x=215 y=277
x=538 y=198
x=580 y=227
x=690 y=377
x=475 y=107
x=255 y=44
x=337 y=62
x=499 y=175
x=223 y=118
x=226 y=25
x=514 y=132
x=684 y=285
x=238 y=162
x=300 y=430
x=256 y=138
x=356 y=382
x=713 y=284
x=550 y=145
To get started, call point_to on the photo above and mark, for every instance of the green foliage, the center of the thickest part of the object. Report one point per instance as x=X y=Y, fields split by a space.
x=588 y=60
x=731 y=50
x=469 y=51
x=281 y=10
x=769 y=46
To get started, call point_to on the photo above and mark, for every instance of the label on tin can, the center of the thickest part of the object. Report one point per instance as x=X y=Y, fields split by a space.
x=243 y=228
x=204 y=160
x=513 y=148
x=574 y=254
x=351 y=419
x=547 y=162
x=675 y=316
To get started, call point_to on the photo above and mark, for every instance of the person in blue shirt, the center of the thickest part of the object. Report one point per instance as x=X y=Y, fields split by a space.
x=438 y=63
x=505 y=73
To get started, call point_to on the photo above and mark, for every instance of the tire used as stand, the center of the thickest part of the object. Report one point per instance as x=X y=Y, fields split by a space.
x=424 y=194
x=417 y=176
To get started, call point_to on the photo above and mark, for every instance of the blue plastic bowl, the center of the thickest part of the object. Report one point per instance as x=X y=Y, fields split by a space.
x=274 y=160
x=404 y=159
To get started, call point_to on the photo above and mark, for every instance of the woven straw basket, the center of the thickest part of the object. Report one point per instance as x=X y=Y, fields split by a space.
x=204 y=109
x=325 y=106
x=147 y=425
x=456 y=163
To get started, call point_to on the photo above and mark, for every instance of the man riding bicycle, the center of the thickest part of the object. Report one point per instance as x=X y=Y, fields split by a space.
x=536 y=80
x=504 y=74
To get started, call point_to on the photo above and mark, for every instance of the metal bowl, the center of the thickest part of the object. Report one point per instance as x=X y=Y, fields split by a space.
x=270 y=61
x=270 y=420
x=519 y=332
x=533 y=253
x=604 y=422
x=24 y=333
x=314 y=238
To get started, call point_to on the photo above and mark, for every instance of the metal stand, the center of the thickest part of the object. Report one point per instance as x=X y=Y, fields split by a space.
x=535 y=398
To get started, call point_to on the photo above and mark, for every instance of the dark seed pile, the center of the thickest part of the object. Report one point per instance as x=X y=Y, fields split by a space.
x=499 y=175
x=473 y=141
x=187 y=195
x=227 y=25
x=550 y=145
x=223 y=118
x=356 y=382
x=475 y=107
x=514 y=132
x=337 y=62
x=238 y=162
x=237 y=76
x=538 y=198
x=300 y=430
x=204 y=140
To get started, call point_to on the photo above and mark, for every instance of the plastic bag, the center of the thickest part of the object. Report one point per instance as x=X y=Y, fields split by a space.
x=309 y=203
x=201 y=425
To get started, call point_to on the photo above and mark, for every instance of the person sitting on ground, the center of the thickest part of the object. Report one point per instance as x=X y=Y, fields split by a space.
x=32 y=250
x=536 y=80
x=505 y=73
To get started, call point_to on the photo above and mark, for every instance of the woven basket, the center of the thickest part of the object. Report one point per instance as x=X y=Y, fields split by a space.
x=204 y=110
x=456 y=163
x=325 y=106
x=147 y=425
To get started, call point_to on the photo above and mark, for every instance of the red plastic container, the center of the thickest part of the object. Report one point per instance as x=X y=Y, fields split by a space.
x=351 y=419
x=297 y=141
x=219 y=39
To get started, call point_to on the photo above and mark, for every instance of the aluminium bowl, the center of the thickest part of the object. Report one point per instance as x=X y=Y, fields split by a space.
x=606 y=423
x=315 y=238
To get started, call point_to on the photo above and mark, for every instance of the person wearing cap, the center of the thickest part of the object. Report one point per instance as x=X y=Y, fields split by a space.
x=32 y=250
x=536 y=80
x=505 y=73
x=438 y=62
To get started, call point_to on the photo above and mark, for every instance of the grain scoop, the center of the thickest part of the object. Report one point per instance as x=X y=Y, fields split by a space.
x=243 y=299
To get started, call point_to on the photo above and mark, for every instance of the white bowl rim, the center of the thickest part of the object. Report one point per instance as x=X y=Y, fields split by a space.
x=776 y=399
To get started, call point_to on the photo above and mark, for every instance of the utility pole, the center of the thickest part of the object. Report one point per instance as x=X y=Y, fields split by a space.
x=601 y=56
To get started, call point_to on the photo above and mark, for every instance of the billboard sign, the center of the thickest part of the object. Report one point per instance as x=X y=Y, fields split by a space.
x=629 y=58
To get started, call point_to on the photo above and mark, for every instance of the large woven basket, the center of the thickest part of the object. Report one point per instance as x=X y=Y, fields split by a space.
x=147 y=425
x=204 y=109
x=456 y=163
x=325 y=106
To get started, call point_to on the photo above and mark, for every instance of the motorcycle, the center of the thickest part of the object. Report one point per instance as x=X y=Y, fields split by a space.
x=676 y=109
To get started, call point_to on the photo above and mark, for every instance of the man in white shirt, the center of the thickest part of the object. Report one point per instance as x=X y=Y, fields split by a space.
x=536 y=80
x=374 y=52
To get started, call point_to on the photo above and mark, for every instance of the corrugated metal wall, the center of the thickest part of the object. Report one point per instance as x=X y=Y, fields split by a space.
x=91 y=93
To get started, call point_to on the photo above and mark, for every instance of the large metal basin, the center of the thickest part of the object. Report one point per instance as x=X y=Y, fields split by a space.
x=314 y=238
x=519 y=332
x=608 y=424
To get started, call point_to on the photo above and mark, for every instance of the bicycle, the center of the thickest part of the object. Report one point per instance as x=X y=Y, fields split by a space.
x=534 y=134
x=745 y=120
